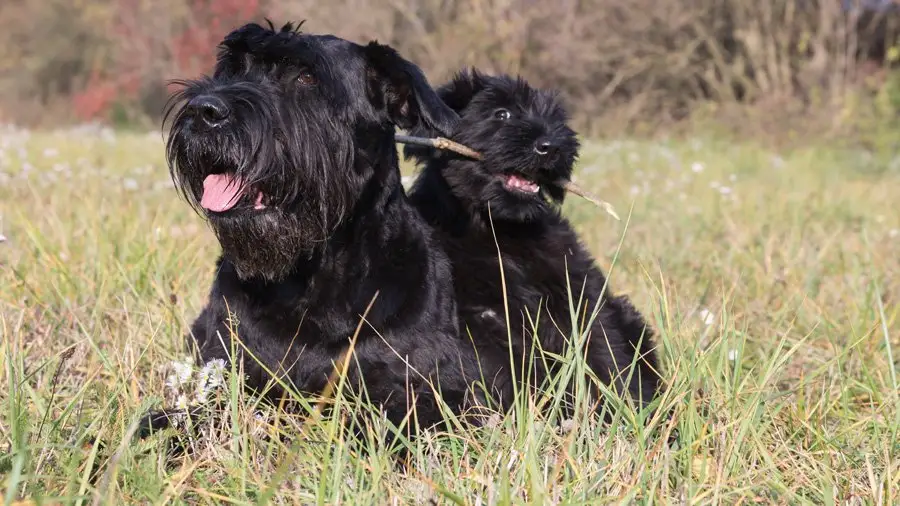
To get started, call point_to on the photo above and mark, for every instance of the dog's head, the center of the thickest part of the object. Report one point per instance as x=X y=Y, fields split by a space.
x=522 y=132
x=277 y=147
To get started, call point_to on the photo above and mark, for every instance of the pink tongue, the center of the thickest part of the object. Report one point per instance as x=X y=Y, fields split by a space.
x=220 y=192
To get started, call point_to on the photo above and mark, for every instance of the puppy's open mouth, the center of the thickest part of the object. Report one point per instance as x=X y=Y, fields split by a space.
x=515 y=182
x=222 y=192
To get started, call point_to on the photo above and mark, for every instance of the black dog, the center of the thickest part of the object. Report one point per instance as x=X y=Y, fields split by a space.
x=288 y=151
x=528 y=150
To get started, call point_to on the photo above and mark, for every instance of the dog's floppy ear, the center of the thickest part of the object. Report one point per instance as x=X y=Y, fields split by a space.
x=457 y=94
x=400 y=88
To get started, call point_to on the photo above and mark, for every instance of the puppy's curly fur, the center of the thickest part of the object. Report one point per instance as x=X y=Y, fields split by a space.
x=527 y=150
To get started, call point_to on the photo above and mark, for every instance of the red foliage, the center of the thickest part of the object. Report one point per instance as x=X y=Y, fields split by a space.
x=190 y=51
x=194 y=49
x=95 y=99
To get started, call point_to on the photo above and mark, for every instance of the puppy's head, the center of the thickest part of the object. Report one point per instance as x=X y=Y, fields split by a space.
x=528 y=150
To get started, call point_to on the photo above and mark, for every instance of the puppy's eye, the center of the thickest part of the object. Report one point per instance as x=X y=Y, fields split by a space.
x=306 y=77
x=502 y=114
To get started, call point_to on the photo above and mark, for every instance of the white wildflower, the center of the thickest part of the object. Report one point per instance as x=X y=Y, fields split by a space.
x=215 y=372
x=635 y=190
x=894 y=232
x=182 y=402
x=163 y=185
x=697 y=167
x=108 y=135
x=707 y=316
x=181 y=373
x=202 y=393
x=724 y=190
x=50 y=152
x=209 y=379
x=130 y=184
x=732 y=355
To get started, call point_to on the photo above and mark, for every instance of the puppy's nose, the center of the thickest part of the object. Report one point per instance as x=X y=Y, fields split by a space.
x=210 y=109
x=545 y=146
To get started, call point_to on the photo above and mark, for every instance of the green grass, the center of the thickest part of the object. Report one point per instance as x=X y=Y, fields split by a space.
x=775 y=301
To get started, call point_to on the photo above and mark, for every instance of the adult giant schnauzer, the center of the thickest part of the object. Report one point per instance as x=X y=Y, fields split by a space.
x=288 y=152
x=527 y=151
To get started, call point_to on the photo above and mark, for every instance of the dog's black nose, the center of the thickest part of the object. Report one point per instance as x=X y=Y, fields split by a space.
x=212 y=110
x=545 y=146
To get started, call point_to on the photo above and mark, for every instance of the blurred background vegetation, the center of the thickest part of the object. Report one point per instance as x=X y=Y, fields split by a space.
x=781 y=67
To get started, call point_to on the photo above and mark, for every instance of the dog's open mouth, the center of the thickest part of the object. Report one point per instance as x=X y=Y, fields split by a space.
x=222 y=192
x=515 y=182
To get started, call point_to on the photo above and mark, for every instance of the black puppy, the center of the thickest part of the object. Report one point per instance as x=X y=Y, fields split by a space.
x=288 y=151
x=528 y=150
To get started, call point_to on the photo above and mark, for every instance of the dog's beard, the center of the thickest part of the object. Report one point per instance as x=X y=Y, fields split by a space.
x=271 y=243
x=297 y=191
x=266 y=246
x=274 y=225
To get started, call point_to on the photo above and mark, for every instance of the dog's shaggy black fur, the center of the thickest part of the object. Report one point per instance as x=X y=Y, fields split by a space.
x=527 y=149
x=288 y=151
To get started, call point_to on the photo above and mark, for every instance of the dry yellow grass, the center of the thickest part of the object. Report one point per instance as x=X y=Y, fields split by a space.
x=773 y=280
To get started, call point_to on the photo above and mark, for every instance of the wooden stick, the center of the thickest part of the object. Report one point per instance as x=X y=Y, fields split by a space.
x=439 y=143
x=448 y=145
x=570 y=186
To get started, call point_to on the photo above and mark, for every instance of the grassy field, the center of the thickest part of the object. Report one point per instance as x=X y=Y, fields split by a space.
x=773 y=280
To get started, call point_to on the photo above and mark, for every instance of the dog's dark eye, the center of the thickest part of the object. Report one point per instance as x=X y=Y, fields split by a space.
x=502 y=114
x=306 y=78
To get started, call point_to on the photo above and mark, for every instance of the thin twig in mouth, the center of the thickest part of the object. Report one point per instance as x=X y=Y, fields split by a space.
x=448 y=145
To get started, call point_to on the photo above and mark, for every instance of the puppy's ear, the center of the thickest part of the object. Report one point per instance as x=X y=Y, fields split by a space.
x=457 y=94
x=400 y=88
